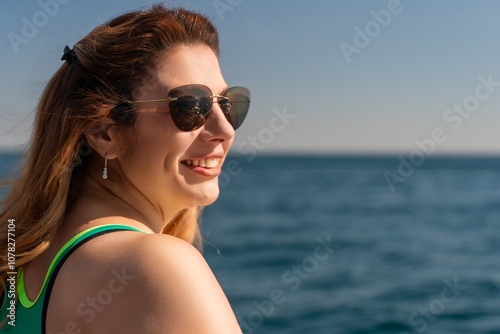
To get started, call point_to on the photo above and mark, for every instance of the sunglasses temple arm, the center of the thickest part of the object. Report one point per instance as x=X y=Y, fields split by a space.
x=147 y=101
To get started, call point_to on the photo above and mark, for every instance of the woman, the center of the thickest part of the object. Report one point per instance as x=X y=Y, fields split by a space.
x=130 y=136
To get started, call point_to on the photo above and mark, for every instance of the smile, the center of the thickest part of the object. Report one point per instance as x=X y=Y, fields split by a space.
x=205 y=163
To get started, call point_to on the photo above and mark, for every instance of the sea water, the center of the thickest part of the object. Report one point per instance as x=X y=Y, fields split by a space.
x=305 y=244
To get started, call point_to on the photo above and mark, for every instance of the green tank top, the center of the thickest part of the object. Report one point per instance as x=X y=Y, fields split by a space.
x=30 y=315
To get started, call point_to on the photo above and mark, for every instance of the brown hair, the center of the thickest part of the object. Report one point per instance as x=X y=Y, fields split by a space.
x=109 y=62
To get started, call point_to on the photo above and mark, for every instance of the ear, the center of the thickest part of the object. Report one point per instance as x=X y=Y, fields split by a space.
x=104 y=140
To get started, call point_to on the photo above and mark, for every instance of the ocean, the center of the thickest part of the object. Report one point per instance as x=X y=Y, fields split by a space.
x=357 y=244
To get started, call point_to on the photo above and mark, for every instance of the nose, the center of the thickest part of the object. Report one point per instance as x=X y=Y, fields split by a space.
x=217 y=126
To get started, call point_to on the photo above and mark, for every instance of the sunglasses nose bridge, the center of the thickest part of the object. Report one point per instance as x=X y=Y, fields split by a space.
x=219 y=117
x=216 y=103
x=218 y=98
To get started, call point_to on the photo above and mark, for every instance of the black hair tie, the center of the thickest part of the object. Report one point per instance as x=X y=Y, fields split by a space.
x=70 y=56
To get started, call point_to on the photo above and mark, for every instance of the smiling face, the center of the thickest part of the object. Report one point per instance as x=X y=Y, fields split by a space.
x=175 y=169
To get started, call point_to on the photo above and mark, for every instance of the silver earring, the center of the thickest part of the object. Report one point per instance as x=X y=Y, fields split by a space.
x=105 y=171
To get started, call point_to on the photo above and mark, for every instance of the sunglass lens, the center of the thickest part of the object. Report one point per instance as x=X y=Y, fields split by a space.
x=190 y=109
x=236 y=108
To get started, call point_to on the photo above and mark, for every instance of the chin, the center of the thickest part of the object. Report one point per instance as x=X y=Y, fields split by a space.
x=205 y=194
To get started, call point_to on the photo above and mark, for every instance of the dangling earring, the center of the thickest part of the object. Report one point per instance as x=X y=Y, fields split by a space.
x=105 y=171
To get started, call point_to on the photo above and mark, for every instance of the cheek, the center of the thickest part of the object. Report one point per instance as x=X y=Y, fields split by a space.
x=157 y=135
x=157 y=146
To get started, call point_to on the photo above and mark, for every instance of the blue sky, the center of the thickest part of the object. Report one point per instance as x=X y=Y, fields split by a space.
x=410 y=66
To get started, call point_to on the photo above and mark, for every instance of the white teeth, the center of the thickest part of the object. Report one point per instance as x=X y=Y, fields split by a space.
x=205 y=163
x=210 y=163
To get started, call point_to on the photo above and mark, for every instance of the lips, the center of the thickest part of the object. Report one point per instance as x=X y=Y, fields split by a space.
x=204 y=166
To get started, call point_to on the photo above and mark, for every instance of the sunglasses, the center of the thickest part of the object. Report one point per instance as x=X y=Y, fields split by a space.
x=190 y=105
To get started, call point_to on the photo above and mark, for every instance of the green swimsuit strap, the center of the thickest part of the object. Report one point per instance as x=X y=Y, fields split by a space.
x=61 y=257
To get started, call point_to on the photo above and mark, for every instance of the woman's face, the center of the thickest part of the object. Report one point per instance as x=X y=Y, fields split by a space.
x=161 y=164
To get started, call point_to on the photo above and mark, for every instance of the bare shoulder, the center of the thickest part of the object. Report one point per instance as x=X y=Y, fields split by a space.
x=179 y=289
x=144 y=283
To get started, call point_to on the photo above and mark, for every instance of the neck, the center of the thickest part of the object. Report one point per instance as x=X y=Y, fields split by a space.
x=107 y=198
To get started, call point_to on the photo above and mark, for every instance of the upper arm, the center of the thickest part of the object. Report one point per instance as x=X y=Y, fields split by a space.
x=174 y=291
